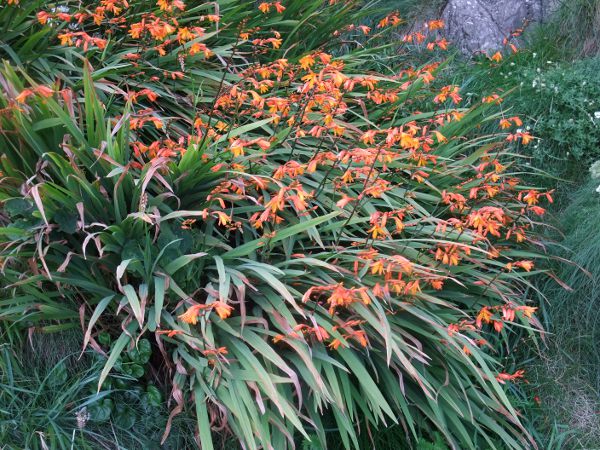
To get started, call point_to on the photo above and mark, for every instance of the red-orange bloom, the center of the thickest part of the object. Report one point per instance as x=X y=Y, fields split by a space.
x=222 y=309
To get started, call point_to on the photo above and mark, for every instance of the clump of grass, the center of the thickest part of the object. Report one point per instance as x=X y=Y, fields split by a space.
x=51 y=403
x=566 y=372
x=572 y=31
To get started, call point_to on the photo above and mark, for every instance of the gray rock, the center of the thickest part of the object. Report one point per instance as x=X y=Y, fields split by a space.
x=482 y=25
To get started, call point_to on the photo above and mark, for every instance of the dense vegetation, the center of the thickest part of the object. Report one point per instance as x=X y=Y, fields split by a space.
x=275 y=238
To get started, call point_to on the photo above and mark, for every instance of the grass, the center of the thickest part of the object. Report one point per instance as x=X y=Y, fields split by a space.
x=567 y=372
x=573 y=32
x=48 y=400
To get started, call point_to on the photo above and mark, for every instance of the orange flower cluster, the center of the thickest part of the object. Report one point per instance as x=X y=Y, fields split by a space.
x=338 y=296
x=265 y=7
x=222 y=309
x=345 y=331
x=160 y=32
x=495 y=316
x=307 y=152
x=503 y=377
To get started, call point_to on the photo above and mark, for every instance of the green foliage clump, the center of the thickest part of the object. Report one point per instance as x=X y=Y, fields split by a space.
x=566 y=371
x=298 y=245
x=563 y=108
x=557 y=101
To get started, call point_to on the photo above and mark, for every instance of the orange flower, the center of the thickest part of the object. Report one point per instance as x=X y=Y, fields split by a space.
x=484 y=316
x=527 y=311
x=169 y=5
x=306 y=62
x=437 y=284
x=377 y=267
x=448 y=92
x=335 y=344
x=222 y=309
x=184 y=34
x=525 y=265
x=43 y=17
x=508 y=313
x=215 y=351
x=526 y=138
x=365 y=29
x=516 y=120
x=191 y=315
x=497 y=57
x=453 y=329
x=494 y=98
x=24 y=95
x=361 y=337
x=504 y=377
x=449 y=255
x=170 y=333
x=435 y=24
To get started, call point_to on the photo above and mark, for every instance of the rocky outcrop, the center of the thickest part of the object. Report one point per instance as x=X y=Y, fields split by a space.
x=482 y=25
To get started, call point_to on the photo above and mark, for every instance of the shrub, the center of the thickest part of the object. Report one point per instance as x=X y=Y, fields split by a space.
x=570 y=126
x=558 y=102
x=292 y=236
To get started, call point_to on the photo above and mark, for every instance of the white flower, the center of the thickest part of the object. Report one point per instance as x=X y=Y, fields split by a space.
x=597 y=115
x=595 y=169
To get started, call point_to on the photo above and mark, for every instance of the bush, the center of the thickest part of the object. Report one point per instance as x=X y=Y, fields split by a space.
x=557 y=100
x=569 y=125
x=292 y=236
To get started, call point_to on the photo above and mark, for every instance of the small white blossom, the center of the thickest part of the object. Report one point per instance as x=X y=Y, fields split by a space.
x=595 y=169
x=597 y=115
